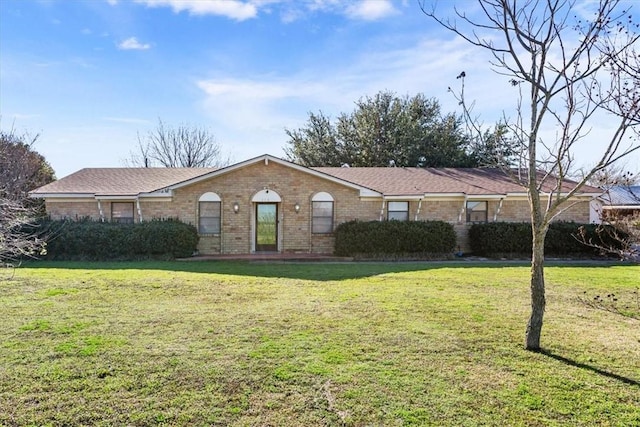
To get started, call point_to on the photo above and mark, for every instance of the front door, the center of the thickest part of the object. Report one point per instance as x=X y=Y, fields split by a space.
x=266 y=227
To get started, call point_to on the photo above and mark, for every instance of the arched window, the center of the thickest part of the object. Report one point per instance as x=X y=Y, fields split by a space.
x=322 y=213
x=209 y=213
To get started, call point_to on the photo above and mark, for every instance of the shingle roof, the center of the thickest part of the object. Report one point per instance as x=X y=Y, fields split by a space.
x=120 y=181
x=387 y=181
x=419 y=181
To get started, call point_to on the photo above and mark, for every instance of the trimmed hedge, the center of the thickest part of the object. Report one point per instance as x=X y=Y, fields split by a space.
x=380 y=238
x=515 y=238
x=91 y=240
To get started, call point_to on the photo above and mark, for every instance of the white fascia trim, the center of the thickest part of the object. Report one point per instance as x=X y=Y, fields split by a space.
x=443 y=195
x=62 y=195
x=616 y=207
x=266 y=158
x=127 y=197
x=546 y=194
x=370 y=194
x=403 y=197
x=465 y=196
x=486 y=196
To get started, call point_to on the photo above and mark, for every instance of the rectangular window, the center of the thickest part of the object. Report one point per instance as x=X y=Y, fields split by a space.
x=398 y=211
x=209 y=222
x=122 y=212
x=476 y=212
x=322 y=217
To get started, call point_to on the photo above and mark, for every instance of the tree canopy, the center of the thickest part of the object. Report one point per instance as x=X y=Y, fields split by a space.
x=22 y=169
x=384 y=130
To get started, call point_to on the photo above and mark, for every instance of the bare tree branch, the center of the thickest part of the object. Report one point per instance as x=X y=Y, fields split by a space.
x=182 y=146
x=575 y=71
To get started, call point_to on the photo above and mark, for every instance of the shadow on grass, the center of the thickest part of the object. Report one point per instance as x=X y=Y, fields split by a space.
x=594 y=369
x=321 y=271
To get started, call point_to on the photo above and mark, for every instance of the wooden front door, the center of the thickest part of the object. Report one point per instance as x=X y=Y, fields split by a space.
x=266 y=227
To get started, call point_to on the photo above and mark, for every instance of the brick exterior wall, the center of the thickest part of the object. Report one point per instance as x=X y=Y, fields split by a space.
x=294 y=228
x=73 y=210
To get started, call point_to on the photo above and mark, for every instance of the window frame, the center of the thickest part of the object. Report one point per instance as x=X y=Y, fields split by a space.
x=214 y=200
x=469 y=212
x=316 y=200
x=123 y=219
x=391 y=211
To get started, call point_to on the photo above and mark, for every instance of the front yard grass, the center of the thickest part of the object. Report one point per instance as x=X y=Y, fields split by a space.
x=233 y=343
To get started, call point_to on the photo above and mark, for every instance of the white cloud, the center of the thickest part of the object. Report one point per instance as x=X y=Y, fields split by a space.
x=250 y=114
x=371 y=10
x=132 y=43
x=368 y=10
x=112 y=2
x=233 y=9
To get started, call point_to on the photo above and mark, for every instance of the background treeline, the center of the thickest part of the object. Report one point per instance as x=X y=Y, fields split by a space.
x=402 y=131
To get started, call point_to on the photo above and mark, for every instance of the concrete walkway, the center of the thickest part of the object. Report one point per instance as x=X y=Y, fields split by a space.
x=268 y=256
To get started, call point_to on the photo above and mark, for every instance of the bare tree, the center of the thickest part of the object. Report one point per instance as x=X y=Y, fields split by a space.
x=17 y=237
x=620 y=221
x=183 y=146
x=569 y=72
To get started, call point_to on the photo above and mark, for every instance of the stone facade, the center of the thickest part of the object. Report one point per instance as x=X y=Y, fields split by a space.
x=294 y=228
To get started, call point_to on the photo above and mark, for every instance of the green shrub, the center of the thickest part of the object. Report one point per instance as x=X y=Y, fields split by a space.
x=381 y=238
x=563 y=239
x=92 y=240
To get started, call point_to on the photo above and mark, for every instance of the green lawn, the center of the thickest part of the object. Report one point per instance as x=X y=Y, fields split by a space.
x=375 y=344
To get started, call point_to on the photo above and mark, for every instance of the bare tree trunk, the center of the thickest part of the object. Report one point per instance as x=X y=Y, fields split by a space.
x=569 y=70
x=538 y=302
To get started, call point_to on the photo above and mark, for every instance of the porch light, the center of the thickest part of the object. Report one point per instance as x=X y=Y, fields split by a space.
x=236 y=207
x=296 y=207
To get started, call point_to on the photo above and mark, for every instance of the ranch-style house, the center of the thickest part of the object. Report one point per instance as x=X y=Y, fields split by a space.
x=267 y=204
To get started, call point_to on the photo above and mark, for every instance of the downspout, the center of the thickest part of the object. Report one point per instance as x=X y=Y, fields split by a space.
x=382 y=209
x=139 y=209
x=100 y=212
x=464 y=208
x=418 y=210
x=222 y=234
x=495 y=215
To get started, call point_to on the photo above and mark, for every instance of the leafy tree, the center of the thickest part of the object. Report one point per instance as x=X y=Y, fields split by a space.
x=567 y=72
x=383 y=130
x=182 y=146
x=21 y=170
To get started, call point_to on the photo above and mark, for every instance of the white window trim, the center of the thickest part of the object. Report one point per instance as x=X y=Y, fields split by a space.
x=215 y=198
x=397 y=201
x=323 y=196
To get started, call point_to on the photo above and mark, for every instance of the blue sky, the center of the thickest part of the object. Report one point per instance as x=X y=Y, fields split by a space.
x=89 y=75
